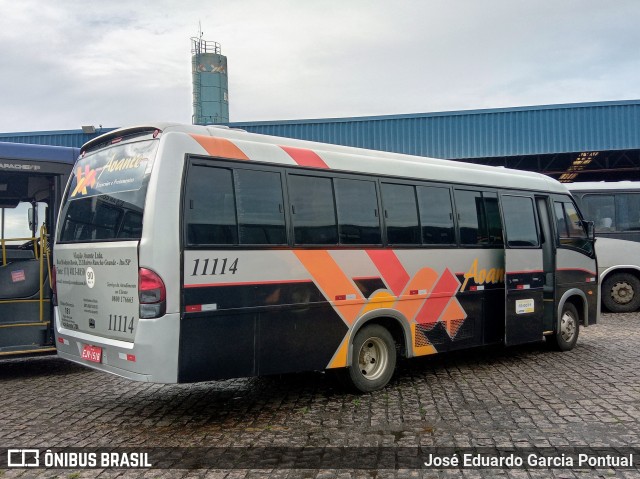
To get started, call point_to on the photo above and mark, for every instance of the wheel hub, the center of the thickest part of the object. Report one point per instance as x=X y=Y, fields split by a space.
x=567 y=327
x=372 y=358
x=622 y=293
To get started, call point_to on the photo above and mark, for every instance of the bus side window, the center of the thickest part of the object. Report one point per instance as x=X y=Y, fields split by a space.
x=470 y=216
x=561 y=222
x=601 y=210
x=520 y=221
x=358 y=218
x=494 y=223
x=570 y=229
x=313 y=210
x=210 y=215
x=628 y=208
x=260 y=207
x=436 y=215
x=401 y=213
x=478 y=218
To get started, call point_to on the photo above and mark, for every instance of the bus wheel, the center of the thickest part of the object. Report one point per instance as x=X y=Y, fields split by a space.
x=621 y=293
x=373 y=361
x=568 y=329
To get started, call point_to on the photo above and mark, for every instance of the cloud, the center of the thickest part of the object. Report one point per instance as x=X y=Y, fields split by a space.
x=120 y=63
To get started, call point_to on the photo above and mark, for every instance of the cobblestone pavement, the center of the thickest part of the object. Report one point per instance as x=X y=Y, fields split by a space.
x=506 y=398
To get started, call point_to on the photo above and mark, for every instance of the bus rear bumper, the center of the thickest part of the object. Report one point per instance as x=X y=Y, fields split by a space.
x=153 y=357
x=105 y=367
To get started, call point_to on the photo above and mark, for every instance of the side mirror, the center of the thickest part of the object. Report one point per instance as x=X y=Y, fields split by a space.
x=33 y=218
x=591 y=229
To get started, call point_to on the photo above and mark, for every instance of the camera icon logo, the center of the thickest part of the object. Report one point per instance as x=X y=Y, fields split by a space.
x=23 y=458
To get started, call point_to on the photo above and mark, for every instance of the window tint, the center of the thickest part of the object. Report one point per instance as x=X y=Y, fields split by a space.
x=520 y=221
x=108 y=218
x=313 y=210
x=494 y=222
x=358 y=219
x=601 y=210
x=574 y=223
x=210 y=215
x=628 y=209
x=100 y=218
x=470 y=216
x=436 y=215
x=560 y=220
x=401 y=214
x=570 y=227
x=111 y=207
x=131 y=225
x=260 y=207
x=478 y=218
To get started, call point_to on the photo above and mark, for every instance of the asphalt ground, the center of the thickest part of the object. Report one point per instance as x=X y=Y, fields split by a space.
x=514 y=400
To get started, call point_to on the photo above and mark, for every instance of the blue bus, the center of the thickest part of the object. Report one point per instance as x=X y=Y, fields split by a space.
x=32 y=182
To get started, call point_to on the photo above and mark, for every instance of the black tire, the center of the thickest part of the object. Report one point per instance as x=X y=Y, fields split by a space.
x=566 y=337
x=373 y=362
x=621 y=293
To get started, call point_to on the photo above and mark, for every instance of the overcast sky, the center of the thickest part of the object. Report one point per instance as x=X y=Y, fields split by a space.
x=68 y=63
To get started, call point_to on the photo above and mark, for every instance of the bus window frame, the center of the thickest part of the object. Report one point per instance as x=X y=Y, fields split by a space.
x=556 y=198
x=520 y=194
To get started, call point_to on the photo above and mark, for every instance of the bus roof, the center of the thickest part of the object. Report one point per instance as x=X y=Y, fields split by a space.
x=22 y=151
x=361 y=160
x=604 y=185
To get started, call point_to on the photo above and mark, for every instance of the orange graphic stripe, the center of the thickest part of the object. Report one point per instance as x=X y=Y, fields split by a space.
x=339 y=359
x=305 y=157
x=446 y=287
x=452 y=317
x=333 y=283
x=390 y=268
x=220 y=147
x=409 y=304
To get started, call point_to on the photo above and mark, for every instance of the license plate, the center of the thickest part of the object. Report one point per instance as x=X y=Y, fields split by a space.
x=92 y=353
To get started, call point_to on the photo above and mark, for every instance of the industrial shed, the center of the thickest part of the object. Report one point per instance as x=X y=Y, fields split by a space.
x=570 y=142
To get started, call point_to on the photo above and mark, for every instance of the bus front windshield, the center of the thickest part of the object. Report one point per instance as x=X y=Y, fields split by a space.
x=106 y=194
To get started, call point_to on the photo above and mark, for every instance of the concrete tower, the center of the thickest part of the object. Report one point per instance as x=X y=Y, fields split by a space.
x=210 y=83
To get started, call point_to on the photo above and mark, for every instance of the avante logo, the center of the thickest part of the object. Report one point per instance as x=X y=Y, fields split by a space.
x=82 y=181
x=482 y=276
x=127 y=163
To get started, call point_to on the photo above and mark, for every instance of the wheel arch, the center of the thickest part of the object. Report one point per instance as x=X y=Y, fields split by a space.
x=620 y=268
x=393 y=321
x=578 y=298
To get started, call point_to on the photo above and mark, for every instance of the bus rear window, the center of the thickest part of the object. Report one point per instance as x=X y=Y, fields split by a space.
x=106 y=194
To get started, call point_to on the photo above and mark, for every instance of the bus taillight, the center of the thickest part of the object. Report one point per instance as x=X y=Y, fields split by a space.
x=152 y=294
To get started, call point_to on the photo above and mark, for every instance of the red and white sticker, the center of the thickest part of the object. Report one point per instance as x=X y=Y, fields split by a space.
x=18 y=275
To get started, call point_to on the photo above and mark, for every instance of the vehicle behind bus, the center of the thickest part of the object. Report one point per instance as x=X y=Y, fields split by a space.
x=615 y=210
x=188 y=253
x=32 y=179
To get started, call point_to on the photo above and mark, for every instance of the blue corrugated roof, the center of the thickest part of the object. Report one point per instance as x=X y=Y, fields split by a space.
x=69 y=138
x=496 y=132
x=529 y=130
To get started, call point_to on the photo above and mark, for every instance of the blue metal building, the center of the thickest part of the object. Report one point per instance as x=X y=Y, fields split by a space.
x=572 y=142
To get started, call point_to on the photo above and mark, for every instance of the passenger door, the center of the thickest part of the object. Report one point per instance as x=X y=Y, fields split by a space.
x=524 y=270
